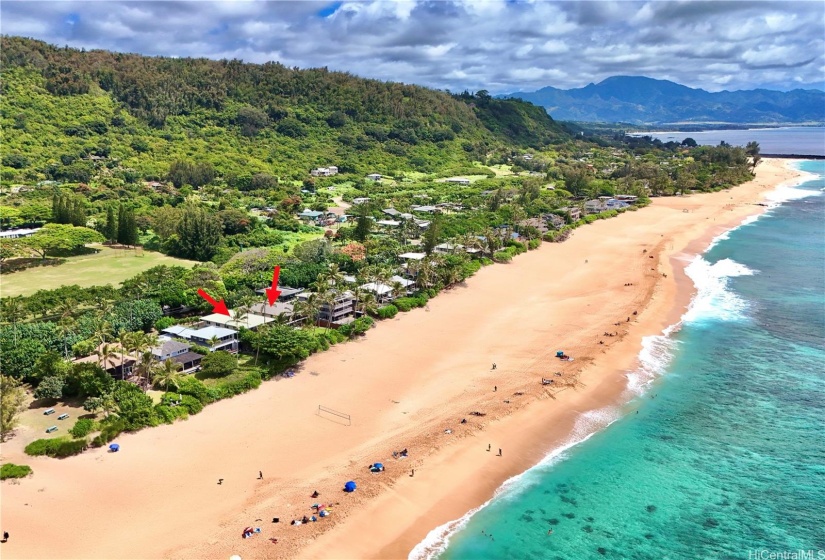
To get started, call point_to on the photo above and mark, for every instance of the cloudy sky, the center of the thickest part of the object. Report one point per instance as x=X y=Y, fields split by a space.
x=499 y=45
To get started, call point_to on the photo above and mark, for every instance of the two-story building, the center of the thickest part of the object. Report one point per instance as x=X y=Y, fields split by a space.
x=324 y=171
x=340 y=312
x=212 y=338
x=179 y=352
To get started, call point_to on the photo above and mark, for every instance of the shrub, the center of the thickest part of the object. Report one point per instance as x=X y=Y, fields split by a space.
x=82 y=428
x=10 y=470
x=56 y=447
x=533 y=244
x=164 y=323
x=110 y=428
x=387 y=312
x=192 y=386
x=407 y=303
x=485 y=261
x=218 y=364
x=230 y=388
x=502 y=256
x=168 y=414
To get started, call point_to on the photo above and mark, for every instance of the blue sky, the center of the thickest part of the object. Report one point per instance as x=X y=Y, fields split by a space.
x=498 y=45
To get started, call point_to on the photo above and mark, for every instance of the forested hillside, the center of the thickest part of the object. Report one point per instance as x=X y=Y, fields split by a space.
x=65 y=109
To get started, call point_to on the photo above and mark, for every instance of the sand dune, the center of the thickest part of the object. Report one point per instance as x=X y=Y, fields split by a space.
x=407 y=382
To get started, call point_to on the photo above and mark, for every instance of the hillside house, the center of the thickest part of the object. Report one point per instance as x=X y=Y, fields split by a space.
x=463 y=181
x=324 y=171
x=374 y=176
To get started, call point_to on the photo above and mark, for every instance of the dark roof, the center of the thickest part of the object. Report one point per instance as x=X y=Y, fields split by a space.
x=170 y=346
x=186 y=357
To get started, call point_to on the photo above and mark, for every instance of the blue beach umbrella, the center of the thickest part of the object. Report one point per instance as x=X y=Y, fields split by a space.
x=114 y=447
x=349 y=486
x=379 y=465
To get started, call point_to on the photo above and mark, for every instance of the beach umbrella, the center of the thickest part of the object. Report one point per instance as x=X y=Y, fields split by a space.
x=114 y=447
x=234 y=557
x=349 y=486
x=379 y=465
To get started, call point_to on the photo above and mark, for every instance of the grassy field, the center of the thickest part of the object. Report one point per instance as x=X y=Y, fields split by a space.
x=109 y=266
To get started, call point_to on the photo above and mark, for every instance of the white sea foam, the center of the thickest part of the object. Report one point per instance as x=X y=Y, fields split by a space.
x=713 y=299
x=587 y=424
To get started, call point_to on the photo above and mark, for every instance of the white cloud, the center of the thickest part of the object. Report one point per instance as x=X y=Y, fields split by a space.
x=500 y=45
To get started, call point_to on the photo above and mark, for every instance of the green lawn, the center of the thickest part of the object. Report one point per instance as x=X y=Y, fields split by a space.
x=109 y=266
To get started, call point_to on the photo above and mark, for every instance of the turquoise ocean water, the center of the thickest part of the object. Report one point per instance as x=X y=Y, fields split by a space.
x=726 y=456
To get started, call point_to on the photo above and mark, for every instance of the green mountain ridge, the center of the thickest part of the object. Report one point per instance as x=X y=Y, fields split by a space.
x=64 y=109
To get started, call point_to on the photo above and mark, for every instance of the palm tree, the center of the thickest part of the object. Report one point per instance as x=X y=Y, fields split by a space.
x=146 y=367
x=367 y=303
x=104 y=353
x=66 y=327
x=213 y=342
x=308 y=308
x=168 y=374
x=125 y=340
x=241 y=315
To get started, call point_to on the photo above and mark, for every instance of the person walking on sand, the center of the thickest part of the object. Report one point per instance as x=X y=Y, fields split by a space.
x=499 y=451
x=494 y=365
x=260 y=475
x=412 y=472
x=488 y=447
x=495 y=388
x=5 y=536
x=220 y=481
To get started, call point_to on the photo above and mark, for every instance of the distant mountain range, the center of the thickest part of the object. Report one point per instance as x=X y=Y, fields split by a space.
x=645 y=101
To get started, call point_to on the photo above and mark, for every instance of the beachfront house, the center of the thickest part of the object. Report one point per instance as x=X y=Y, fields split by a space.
x=629 y=198
x=249 y=321
x=179 y=352
x=339 y=311
x=287 y=293
x=212 y=338
x=280 y=308
x=575 y=212
x=117 y=364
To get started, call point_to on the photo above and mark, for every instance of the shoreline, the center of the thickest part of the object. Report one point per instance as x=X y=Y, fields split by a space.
x=679 y=291
x=408 y=382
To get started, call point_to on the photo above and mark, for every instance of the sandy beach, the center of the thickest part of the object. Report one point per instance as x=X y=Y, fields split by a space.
x=407 y=383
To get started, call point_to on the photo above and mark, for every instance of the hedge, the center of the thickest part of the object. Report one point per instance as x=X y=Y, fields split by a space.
x=10 y=470
x=82 y=428
x=406 y=303
x=110 y=428
x=387 y=312
x=502 y=256
x=533 y=244
x=56 y=447
x=232 y=387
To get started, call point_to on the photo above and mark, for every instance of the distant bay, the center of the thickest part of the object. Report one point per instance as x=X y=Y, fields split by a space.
x=799 y=140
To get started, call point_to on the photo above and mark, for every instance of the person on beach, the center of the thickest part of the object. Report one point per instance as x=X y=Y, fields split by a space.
x=494 y=365
x=499 y=451
x=260 y=475
x=315 y=494
x=412 y=472
x=5 y=536
x=220 y=481
x=495 y=388
x=488 y=447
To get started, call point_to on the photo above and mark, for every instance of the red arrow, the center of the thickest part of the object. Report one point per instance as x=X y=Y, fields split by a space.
x=217 y=306
x=273 y=292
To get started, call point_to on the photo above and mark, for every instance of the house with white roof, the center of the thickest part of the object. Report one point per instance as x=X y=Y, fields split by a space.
x=212 y=338
x=249 y=321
